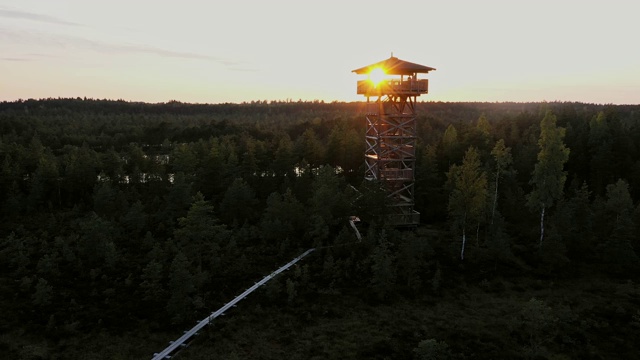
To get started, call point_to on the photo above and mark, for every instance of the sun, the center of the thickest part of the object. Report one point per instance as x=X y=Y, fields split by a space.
x=376 y=76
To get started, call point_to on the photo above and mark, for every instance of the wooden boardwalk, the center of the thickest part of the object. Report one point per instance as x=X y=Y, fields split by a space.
x=176 y=345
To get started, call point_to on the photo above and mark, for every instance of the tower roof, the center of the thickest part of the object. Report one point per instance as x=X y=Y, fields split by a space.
x=395 y=66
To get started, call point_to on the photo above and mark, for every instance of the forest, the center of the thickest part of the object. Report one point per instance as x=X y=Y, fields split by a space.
x=124 y=223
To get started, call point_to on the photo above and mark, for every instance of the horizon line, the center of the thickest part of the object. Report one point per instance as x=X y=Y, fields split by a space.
x=314 y=101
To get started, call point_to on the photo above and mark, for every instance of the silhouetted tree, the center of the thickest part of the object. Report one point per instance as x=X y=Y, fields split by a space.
x=239 y=203
x=618 y=248
x=502 y=158
x=383 y=267
x=182 y=288
x=548 y=176
x=468 y=184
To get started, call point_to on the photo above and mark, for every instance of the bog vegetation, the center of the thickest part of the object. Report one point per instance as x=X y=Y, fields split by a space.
x=123 y=223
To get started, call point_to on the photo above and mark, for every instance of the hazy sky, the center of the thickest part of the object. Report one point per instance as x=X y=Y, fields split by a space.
x=238 y=50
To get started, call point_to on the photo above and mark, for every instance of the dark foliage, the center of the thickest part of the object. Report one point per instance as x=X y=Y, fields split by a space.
x=122 y=223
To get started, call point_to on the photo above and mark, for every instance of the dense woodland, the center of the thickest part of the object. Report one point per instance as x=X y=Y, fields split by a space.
x=123 y=223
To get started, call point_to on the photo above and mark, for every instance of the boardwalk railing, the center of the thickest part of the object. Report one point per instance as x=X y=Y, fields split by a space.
x=175 y=346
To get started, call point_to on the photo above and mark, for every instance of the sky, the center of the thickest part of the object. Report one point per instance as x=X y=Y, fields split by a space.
x=210 y=51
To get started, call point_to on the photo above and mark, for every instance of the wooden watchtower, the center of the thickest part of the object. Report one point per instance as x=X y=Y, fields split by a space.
x=390 y=153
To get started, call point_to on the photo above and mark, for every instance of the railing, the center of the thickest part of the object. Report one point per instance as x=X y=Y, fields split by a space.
x=396 y=174
x=393 y=86
x=411 y=219
x=174 y=346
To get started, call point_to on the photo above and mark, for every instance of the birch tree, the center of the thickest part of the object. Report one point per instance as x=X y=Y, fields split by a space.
x=468 y=193
x=548 y=176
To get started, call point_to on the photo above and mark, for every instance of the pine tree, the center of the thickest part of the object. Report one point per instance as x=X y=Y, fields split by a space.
x=177 y=200
x=43 y=293
x=601 y=153
x=618 y=249
x=577 y=226
x=184 y=159
x=199 y=233
x=283 y=159
x=383 y=270
x=152 y=282
x=411 y=260
x=181 y=285
x=432 y=349
x=309 y=147
x=284 y=217
x=480 y=137
x=135 y=219
x=502 y=157
x=239 y=202
x=450 y=143
x=429 y=180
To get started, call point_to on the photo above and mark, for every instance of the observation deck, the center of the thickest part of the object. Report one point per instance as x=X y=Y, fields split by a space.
x=394 y=87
